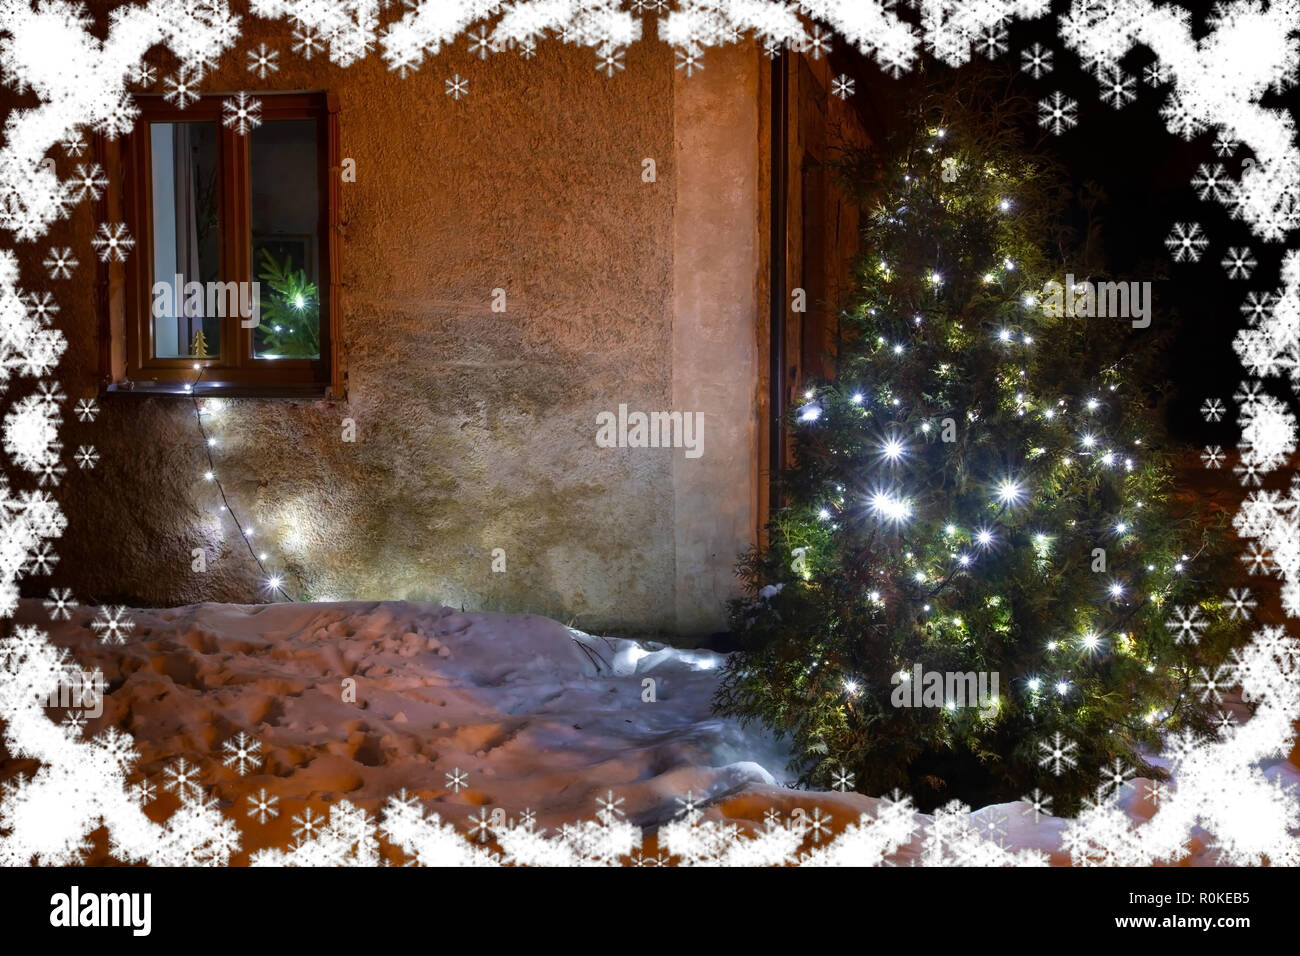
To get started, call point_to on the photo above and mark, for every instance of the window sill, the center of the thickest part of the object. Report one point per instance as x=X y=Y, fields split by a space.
x=284 y=393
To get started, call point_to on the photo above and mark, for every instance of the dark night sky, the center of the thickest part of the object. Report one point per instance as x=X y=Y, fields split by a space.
x=1146 y=173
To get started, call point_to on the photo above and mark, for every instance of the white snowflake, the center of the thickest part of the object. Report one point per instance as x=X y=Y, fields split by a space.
x=41 y=560
x=480 y=43
x=843 y=86
x=144 y=75
x=993 y=41
x=263 y=806
x=609 y=60
x=1241 y=603
x=481 y=825
x=182 y=779
x=60 y=262
x=1225 y=146
x=1211 y=685
x=1249 y=472
x=1186 y=242
x=1118 y=88
x=690 y=804
x=86 y=409
x=1211 y=181
x=1259 y=306
x=1213 y=456
x=182 y=88
x=41 y=306
x=1157 y=790
x=243 y=753
x=144 y=792
x=819 y=42
x=307 y=823
x=843 y=780
x=457 y=779
x=90 y=181
x=52 y=474
x=243 y=113
x=1257 y=559
x=1240 y=262
x=1155 y=74
x=457 y=86
x=74 y=721
x=1115 y=777
x=86 y=456
x=1058 y=113
x=263 y=60
x=1212 y=409
x=59 y=604
x=609 y=807
x=307 y=42
x=73 y=144
x=689 y=61
x=1186 y=624
x=112 y=242
x=1040 y=804
x=1058 y=755
x=112 y=624
x=1180 y=118
x=1036 y=61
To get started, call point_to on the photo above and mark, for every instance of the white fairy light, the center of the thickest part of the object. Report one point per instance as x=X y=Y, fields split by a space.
x=1010 y=492
x=889 y=506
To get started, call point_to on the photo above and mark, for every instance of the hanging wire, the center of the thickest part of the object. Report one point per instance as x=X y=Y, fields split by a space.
x=212 y=470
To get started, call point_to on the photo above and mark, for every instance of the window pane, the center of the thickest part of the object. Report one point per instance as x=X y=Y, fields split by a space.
x=286 y=248
x=188 y=300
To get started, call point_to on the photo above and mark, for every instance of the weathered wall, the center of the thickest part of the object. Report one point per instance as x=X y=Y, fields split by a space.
x=474 y=430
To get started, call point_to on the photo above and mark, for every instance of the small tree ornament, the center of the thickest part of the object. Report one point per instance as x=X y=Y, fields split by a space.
x=199 y=347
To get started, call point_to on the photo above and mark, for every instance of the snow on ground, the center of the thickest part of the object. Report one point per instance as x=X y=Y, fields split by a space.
x=531 y=714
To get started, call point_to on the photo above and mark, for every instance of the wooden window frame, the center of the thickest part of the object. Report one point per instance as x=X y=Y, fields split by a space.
x=234 y=371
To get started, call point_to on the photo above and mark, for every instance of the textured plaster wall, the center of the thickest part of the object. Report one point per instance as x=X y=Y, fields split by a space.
x=475 y=430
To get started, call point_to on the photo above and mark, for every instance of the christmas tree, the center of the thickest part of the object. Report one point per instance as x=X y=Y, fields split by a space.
x=981 y=503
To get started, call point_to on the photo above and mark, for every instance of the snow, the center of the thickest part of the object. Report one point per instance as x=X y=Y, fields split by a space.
x=496 y=725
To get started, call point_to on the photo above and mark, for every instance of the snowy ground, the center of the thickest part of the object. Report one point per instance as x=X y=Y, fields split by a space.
x=533 y=715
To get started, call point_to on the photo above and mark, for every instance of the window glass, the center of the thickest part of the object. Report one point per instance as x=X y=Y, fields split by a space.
x=285 y=214
x=188 y=300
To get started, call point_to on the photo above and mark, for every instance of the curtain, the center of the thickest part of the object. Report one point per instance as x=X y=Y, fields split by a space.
x=187 y=234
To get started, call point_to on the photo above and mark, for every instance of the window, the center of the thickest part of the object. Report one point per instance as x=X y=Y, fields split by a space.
x=236 y=251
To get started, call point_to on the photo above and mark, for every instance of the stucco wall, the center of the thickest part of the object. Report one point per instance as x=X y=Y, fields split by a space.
x=475 y=430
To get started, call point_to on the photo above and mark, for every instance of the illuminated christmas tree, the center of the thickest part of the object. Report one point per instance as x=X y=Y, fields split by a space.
x=980 y=495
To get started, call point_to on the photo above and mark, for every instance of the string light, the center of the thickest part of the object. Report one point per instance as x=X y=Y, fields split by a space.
x=274 y=583
x=890 y=506
x=1009 y=492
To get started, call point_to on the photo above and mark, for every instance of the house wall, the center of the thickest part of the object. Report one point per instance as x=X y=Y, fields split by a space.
x=474 y=430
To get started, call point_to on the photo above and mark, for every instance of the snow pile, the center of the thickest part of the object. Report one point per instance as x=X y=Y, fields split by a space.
x=359 y=733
